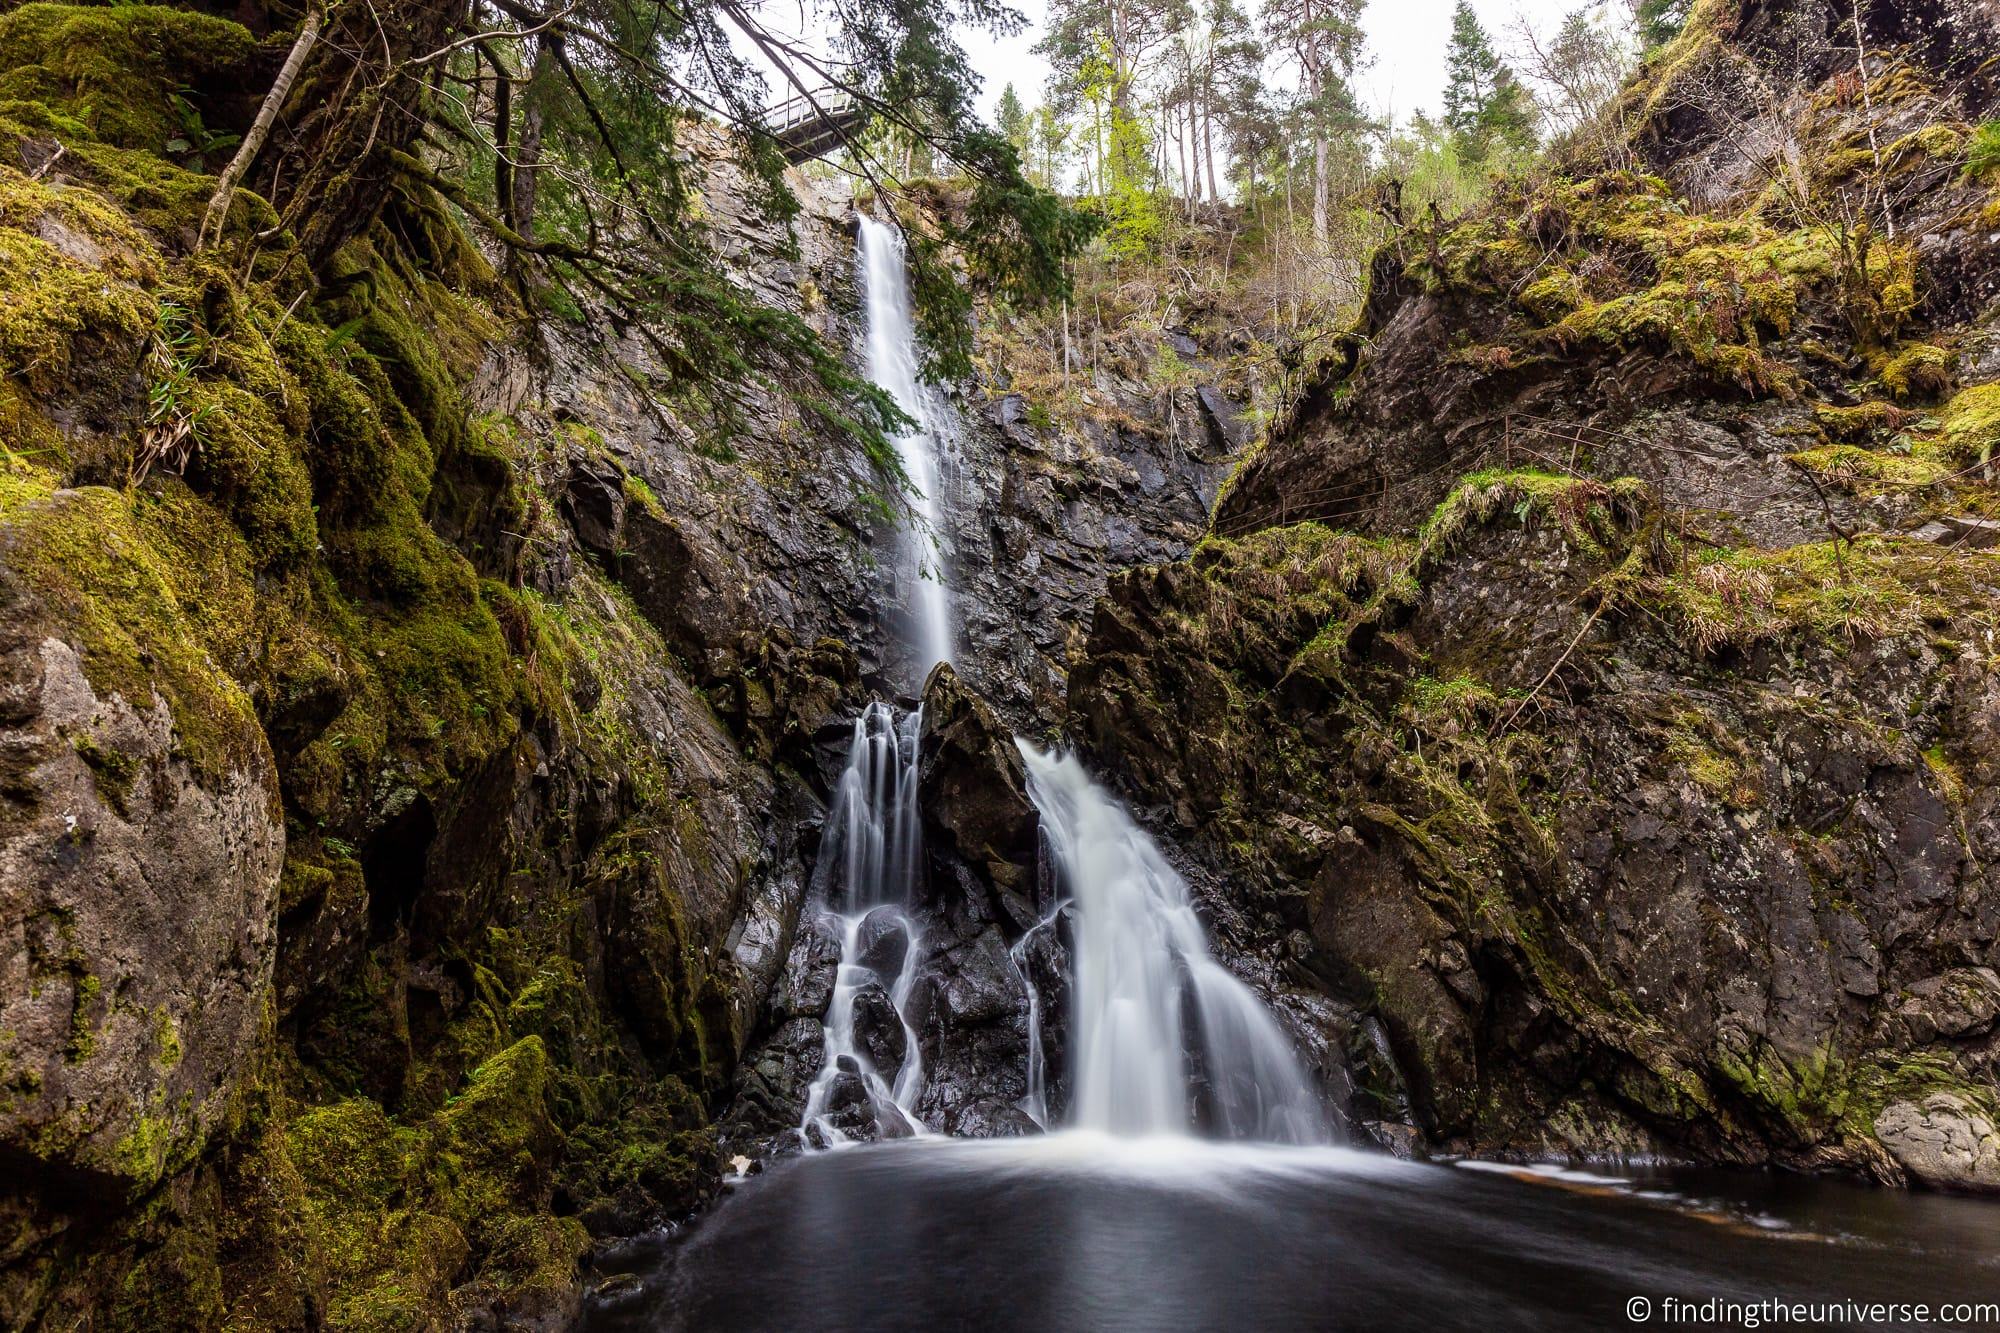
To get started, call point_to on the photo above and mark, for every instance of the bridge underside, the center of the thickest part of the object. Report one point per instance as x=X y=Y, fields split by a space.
x=820 y=134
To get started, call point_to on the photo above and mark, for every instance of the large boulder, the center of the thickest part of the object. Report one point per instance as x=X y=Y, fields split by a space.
x=1945 y=1140
x=973 y=785
x=882 y=943
x=140 y=846
x=878 y=1030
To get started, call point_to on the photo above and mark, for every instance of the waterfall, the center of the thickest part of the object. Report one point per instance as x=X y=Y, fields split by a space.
x=1141 y=971
x=1036 y=1103
x=869 y=867
x=871 y=863
x=892 y=365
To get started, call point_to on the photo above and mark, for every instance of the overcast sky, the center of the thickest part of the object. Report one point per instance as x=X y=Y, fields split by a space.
x=1406 y=40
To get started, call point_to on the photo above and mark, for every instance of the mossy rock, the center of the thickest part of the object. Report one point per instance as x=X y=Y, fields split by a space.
x=1917 y=370
x=117 y=69
x=95 y=572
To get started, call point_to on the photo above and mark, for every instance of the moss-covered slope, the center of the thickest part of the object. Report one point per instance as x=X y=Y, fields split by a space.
x=370 y=855
x=1593 y=667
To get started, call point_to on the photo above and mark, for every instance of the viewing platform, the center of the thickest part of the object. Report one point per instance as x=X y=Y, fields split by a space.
x=813 y=124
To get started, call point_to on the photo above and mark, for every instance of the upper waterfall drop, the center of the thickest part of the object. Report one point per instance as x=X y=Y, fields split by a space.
x=1140 y=969
x=892 y=366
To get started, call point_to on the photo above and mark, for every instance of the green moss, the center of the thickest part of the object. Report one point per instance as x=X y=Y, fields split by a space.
x=1951 y=782
x=175 y=1285
x=1722 y=288
x=1711 y=759
x=1934 y=142
x=112 y=771
x=1618 y=261
x=1871 y=588
x=386 y=1255
x=1592 y=516
x=637 y=492
x=1874 y=471
x=1860 y=423
x=1971 y=424
x=1917 y=370
x=83 y=1019
x=1554 y=298
x=166 y=1038
x=395 y=1211
x=58 y=315
x=145 y=1151
x=90 y=567
x=1808 y=1096
x=116 y=68
x=1982 y=151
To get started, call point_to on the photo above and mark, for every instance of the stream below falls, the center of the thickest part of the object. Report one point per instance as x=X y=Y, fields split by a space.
x=1083 y=1231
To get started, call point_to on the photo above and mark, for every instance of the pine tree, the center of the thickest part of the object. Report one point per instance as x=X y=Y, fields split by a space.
x=1659 y=21
x=1013 y=119
x=1471 y=72
x=1485 y=106
x=1322 y=38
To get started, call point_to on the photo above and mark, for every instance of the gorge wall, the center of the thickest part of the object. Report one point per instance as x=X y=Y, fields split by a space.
x=1617 y=726
x=417 y=721
x=1579 y=721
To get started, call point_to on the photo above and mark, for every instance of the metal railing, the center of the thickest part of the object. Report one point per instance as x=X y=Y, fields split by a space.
x=824 y=103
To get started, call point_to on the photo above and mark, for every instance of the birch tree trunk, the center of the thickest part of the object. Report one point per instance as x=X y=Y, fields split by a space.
x=260 y=129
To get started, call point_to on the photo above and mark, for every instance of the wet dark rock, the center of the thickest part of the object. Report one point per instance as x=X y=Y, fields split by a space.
x=882 y=942
x=1403 y=1142
x=992 y=1118
x=806 y=985
x=979 y=983
x=594 y=504
x=878 y=1030
x=1227 y=429
x=973 y=786
x=849 y=1107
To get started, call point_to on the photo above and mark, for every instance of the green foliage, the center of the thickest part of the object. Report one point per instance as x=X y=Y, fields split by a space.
x=1485 y=107
x=1660 y=21
x=1982 y=151
x=610 y=124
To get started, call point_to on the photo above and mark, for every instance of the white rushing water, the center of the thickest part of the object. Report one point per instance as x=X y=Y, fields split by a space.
x=1141 y=969
x=869 y=864
x=872 y=859
x=1140 y=966
x=892 y=365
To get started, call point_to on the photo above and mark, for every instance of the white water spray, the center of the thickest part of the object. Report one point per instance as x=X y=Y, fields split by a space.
x=872 y=861
x=892 y=365
x=1036 y=1103
x=869 y=868
x=1140 y=965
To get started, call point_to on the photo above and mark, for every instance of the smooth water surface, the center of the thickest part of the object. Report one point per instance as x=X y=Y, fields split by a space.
x=1086 y=1232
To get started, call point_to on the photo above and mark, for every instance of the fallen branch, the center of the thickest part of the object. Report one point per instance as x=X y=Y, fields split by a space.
x=260 y=129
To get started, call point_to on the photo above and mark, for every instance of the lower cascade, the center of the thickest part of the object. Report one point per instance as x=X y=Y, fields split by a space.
x=1164 y=1038
x=873 y=1068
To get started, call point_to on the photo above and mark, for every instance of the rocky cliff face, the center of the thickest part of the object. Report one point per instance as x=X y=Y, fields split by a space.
x=415 y=727
x=416 y=720
x=1624 y=752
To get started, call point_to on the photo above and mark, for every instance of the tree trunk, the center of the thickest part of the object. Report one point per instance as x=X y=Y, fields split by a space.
x=1208 y=148
x=503 y=133
x=1180 y=149
x=217 y=213
x=1319 y=190
x=528 y=154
